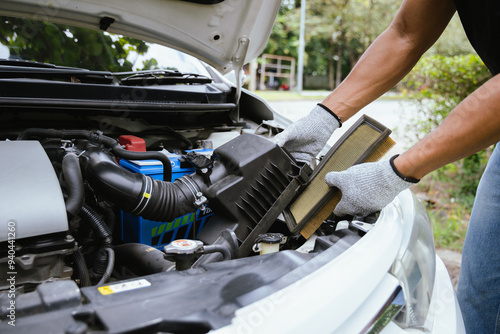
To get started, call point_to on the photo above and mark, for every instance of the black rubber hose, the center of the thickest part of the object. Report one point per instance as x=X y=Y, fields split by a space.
x=100 y=263
x=155 y=155
x=41 y=133
x=217 y=249
x=73 y=177
x=97 y=223
x=105 y=140
x=81 y=266
x=141 y=259
x=109 y=267
x=95 y=136
x=225 y=247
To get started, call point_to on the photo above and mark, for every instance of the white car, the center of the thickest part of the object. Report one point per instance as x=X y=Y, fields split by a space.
x=140 y=192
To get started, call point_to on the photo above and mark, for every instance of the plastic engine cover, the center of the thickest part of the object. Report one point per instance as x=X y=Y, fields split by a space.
x=31 y=199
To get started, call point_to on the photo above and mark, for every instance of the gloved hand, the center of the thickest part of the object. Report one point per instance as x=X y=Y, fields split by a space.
x=305 y=138
x=368 y=187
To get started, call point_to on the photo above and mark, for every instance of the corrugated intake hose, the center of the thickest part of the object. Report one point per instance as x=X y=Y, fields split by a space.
x=97 y=136
x=138 y=194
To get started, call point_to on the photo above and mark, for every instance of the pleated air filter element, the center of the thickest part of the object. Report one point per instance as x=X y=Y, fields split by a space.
x=366 y=141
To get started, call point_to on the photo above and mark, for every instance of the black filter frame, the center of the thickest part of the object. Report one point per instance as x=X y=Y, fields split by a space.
x=359 y=153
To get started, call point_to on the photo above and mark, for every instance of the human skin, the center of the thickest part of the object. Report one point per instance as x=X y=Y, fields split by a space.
x=473 y=125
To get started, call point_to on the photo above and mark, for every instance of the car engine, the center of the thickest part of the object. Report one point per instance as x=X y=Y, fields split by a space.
x=73 y=206
x=91 y=215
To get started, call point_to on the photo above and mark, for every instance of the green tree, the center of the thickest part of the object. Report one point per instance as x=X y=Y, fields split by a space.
x=68 y=46
x=439 y=83
x=337 y=32
x=349 y=26
x=284 y=39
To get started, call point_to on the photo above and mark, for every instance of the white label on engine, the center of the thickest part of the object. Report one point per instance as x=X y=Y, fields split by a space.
x=121 y=287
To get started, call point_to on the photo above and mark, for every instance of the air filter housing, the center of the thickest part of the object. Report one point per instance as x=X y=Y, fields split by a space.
x=261 y=181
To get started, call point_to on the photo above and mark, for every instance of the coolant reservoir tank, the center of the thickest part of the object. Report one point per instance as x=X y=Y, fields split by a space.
x=268 y=243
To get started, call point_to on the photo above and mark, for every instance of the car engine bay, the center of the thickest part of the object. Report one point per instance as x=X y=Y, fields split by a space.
x=79 y=214
x=143 y=191
x=164 y=200
x=94 y=185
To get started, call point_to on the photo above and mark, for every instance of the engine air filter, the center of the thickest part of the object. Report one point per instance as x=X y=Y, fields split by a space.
x=367 y=140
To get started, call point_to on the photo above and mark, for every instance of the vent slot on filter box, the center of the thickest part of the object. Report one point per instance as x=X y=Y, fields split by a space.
x=366 y=141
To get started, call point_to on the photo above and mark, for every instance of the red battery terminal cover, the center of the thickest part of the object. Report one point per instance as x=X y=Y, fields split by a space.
x=132 y=143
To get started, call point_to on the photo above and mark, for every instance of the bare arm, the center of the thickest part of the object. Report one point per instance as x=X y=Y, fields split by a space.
x=392 y=55
x=473 y=125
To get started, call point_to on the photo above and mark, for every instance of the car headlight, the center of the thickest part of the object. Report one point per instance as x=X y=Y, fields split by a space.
x=415 y=265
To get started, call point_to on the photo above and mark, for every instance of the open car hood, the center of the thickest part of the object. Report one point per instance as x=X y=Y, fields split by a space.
x=224 y=33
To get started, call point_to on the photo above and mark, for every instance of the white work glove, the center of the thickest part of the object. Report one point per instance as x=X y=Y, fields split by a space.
x=368 y=187
x=306 y=137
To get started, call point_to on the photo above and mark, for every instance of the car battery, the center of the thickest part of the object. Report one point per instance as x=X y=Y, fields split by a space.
x=159 y=234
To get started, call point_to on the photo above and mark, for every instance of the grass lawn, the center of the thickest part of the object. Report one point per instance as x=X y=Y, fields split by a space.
x=449 y=217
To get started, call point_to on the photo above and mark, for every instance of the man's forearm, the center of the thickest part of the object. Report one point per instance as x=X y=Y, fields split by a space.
x=376 y=72
x=392 y=55
x=473 y=125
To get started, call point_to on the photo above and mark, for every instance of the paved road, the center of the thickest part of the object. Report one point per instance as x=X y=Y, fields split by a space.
x=394 y=114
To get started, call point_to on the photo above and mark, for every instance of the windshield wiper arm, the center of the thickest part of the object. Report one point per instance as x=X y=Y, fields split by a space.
x=161 y=77
x=13 y=68
x=34 y=70
x=33 y=63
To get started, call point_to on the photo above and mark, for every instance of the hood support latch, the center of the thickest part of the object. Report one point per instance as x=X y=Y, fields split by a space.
x=238 y=62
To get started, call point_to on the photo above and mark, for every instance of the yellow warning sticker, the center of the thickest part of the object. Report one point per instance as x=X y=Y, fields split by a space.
x=105 y=290
x=121 y=287
x=147 y=195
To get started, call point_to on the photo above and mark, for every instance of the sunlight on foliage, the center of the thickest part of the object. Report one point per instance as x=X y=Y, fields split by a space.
x=437 y=85
x=68 y=46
